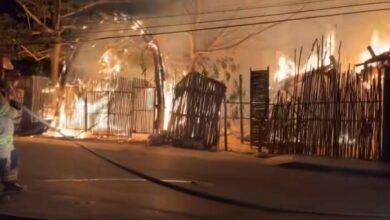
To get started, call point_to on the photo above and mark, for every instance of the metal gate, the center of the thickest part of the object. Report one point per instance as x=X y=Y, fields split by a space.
x=128 y=109
x=259 y=99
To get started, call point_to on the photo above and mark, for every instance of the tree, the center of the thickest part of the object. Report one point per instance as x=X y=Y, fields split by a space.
x=227 y=39
x=52 y=20
x=212 y=53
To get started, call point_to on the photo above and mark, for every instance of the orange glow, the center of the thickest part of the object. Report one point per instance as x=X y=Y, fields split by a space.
x=378 y=45
x=168 y=86
x=287 y=67
x=111 y=63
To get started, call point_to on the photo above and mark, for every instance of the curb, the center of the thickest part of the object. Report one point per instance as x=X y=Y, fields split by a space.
x=345 y=166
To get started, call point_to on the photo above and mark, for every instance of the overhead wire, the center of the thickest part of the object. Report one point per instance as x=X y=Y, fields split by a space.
x=210 y=28
x=243 y=17
x=284 y=4
x=229 y=10
x=232 y=19
x=240 y=25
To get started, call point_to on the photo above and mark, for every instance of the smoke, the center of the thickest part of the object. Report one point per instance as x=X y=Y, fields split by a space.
x=131 y=7
x=257 y=52
x=128 y=57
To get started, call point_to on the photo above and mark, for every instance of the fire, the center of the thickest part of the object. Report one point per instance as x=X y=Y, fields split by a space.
x=71 y=118
x=106 y=57
x=66 y=120
x=78 y=114
x=378 y=45
x=288 y=68
x=345 y=138
x=168 y=92
x=111 y=64
x=117 y=68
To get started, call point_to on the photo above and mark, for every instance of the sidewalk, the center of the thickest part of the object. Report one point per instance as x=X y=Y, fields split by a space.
x=245 y=153
x=310 y=163
x=326 y=164
x=66 y=182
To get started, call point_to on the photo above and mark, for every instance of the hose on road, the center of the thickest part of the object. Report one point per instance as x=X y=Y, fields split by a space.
x=205 y=195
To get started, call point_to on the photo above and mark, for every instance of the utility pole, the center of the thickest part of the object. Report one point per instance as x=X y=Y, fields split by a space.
x=56 y=52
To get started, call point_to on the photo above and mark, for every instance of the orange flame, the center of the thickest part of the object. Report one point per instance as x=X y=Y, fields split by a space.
x=378 y=45
x=287 y=67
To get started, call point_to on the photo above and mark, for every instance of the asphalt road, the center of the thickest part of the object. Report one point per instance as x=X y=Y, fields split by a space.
x=66 y=182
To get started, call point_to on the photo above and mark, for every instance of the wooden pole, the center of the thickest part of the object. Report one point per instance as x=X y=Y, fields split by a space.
x=86 y=112
x=56 y=50
x=241 y=111
x=108 y=113
x=250 y=108
x=225 y=124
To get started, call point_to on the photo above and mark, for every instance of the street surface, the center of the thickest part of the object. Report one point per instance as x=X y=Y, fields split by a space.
x=66 y=182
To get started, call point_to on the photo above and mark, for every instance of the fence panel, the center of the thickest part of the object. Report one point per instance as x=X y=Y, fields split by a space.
x=329 y=114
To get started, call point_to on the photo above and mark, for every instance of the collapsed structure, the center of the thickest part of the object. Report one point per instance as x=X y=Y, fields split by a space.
x=195 y=117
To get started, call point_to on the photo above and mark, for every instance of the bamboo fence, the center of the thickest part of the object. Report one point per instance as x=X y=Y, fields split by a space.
x=327 y=112
x=115 y=107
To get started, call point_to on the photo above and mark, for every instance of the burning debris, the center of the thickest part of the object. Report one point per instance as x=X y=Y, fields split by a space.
x=115 y=107
x=94 y=96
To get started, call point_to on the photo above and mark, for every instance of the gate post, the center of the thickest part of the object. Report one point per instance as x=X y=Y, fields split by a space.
x=259 y=100
x=386 y=116
x=86 y=112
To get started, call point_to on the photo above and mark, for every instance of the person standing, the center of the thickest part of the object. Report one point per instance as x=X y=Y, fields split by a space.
x=8 y=155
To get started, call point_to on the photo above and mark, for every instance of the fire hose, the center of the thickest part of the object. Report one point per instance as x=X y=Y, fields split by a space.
x=200 y=194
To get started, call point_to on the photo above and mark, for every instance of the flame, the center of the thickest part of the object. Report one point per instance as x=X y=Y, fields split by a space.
x=71 y=119
x=328 y=50
x=367 y=85
x=106 y=58
x=287 y=67
x=111 y=64
x=168 y=93
x=117 y=68
x=378 y=45
x=345 y=138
